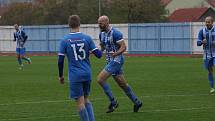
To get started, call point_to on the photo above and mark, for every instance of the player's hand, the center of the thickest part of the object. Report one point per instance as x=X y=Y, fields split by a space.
x=61 y=79
x=213 y=43
x=112 y=54
x=204 y=41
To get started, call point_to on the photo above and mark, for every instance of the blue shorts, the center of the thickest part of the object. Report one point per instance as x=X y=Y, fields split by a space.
x=113 y=67
x=78 y=89
x=209 y=63
x=20 y=51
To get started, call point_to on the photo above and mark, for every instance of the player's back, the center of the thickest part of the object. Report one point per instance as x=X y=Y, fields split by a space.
x=77 y=48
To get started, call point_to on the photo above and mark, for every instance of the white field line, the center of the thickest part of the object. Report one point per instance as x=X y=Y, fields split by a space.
x=96 y=99
x=125 y=112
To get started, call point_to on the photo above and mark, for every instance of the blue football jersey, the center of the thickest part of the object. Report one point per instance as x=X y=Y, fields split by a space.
x=19 y=37
x=209 y=35
x=77 y=47
x=109 y=40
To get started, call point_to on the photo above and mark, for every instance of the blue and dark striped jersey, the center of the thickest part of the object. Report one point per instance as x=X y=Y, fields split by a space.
x=20 y=38
x=109 y=40
x=209 y=35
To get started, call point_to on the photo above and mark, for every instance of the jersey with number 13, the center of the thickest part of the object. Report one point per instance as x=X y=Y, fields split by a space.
x=77 y=47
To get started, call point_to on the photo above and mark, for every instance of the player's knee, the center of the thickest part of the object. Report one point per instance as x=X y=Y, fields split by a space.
x=99 y=79
x=100 y=82
x=81 y=106
x=122 y=85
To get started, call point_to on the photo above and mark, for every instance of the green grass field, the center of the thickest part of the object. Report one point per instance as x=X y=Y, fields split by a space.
x=171 y=88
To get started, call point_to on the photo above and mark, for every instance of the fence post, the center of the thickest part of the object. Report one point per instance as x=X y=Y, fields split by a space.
x=47 y=39
x=159 y=38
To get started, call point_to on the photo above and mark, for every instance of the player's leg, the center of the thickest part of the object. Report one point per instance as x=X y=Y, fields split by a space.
x=77 y=93
x=82 y=109
x=128 y=91
x=18 y=56
x=88 y=104
x=24 y=57
x=210 y=75
x=102 y=77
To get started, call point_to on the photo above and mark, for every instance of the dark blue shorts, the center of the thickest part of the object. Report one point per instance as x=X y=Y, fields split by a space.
x=209 y=63
x=78 y=89
x=113 y=67
x=20 y=51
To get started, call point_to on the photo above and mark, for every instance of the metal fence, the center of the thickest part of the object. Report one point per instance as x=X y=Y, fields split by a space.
x=46 y=38
x=152 y=38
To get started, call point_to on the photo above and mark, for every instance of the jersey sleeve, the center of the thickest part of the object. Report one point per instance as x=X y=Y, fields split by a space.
x=117 y=36
x=62 y=48
x=200 y=38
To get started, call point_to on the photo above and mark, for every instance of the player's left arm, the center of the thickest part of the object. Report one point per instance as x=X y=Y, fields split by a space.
x=24 y=36
x=122 y=48
x=118 y=39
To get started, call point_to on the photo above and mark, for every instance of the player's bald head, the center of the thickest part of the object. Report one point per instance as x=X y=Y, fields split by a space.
x=103 y=22
x=209 y=22
x=16 y=26
x=103 y=19
x=209 y=18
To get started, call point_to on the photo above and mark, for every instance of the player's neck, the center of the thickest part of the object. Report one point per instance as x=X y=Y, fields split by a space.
x=75 y=30
x=108 y=29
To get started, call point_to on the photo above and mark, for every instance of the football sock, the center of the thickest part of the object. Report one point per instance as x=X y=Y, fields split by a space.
x=19 y=61
x=131 y=95
x=108 y=92
x=89 y=108
x=211 y=80
x=83 y=114
x=26 y=59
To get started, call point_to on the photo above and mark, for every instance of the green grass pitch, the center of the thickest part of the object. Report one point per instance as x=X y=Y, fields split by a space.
x=171 y=88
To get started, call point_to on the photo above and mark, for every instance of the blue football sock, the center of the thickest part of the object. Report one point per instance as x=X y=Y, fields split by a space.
x=211 y=80
x=90 y=112
x=19 y=61
x=108 y=92
x=26 y=59
x=83 y=115
x=131 y=95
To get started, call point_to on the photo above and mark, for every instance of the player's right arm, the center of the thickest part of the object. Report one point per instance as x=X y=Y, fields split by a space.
x=201 y=40
x=102 y=46
x=14 y=36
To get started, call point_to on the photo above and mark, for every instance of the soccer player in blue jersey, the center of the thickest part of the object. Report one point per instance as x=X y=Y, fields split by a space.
x=77 y=46
x=20 y=37
x=206 y=38
x=111 y=40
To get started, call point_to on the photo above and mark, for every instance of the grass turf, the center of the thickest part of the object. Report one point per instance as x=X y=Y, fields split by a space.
x=171 y=88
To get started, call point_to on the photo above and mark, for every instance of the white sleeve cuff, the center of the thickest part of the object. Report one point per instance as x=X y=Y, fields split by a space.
x=61 y=54
x=94 y=49
x=120 y=40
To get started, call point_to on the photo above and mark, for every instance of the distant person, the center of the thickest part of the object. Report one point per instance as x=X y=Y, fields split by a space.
x=77 y=46
x=20 y=37
x=111 y=40
x=206 y=38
